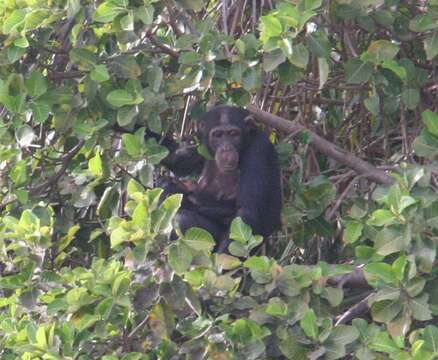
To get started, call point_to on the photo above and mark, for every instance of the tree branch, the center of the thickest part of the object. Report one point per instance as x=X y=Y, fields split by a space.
x=163 y=47
x=326 y=147
x=360 y=308
x=52 y=180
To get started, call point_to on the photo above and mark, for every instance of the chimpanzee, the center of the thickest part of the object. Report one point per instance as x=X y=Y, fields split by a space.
x=242 y=178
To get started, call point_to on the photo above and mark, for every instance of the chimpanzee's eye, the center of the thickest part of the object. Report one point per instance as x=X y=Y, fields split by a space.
x=217 y=134
x=234 y=133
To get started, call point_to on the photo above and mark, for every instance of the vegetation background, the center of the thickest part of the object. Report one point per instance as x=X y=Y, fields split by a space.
x=87 y=270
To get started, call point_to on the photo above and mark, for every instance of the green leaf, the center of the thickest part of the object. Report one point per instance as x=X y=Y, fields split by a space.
x=155 y=77
x=251 y=79
x=83 y=58
x=373 y=104
x=199 y=239
x=126 y=115
x=119 y=236
x=430 y=119
x=19 y=174
x=309 y=325
x=107 y=11
x=420 y=308
x=13 y=103
x=276 y=307
x=100 y=73
x=270 y=27
x=319 y=44
x=180 y=257
x=423 y=22
x=120 y=97
x=141 y=217
x=87 y=321
x=21 y=42
x=227 y=262
x=36 y=84
x=357 y=71
x=431 y=45
x=323 y=69
x=145 y=14
x=387 y=310
x=67 y=239
x=40 y=111
x=392 y=239
x=36 y=18
x=134 y=187
x=333 y=295
x=383 y=343
x=343 y=334
x=14 y=21
x=169 y=207
x=430 y=336
x=190 y=58
x=127 y=22
x=395 y=67
x=292 y=348
x=405 y=202
x=154 y=152
x=95 y=165
x=381 y=50
x=163 y=324
x=287 y=283
x=239 y=231
x=300 y=56
x=426 y=145
x=382 y=217
x=352 y=232
x=260 y=267
x=126 y=67
x=380 y=271
x=132 y=144
x=195 y=5
x=285 y=44
x=41 y=340
x=411 y=98
x=399 y=266
x=273 y=59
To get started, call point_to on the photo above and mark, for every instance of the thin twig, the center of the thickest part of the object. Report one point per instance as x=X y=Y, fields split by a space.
x=138 y=327
x=186 y=109
x=52 y=180
x=405 y=147
x=335 y=208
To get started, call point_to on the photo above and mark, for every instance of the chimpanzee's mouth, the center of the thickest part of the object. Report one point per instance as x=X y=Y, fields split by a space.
x=229 y=168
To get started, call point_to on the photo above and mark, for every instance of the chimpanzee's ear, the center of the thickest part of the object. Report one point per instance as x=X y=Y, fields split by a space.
x=250 y=122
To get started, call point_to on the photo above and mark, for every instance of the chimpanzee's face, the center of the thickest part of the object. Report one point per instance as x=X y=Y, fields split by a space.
x=223 y=130
x=225 y=141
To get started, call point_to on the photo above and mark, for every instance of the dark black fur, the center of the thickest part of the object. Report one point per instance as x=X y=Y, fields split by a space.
x=258 y=199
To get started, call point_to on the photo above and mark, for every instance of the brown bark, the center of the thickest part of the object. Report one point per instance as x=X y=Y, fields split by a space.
x=326 y=147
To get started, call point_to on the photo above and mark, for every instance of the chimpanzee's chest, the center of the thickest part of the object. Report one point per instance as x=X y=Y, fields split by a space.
x=222 y=188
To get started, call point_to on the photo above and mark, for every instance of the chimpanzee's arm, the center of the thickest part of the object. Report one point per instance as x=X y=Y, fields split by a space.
x=183 y=159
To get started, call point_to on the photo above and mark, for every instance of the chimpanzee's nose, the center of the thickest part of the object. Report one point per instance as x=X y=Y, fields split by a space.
x=227 y=147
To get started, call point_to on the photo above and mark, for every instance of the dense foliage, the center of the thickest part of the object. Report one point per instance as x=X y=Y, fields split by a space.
x=87 y=269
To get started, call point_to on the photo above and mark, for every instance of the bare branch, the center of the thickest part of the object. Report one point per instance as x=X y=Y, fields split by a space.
x=163 y=47
x=326 y=147
x=360 y=308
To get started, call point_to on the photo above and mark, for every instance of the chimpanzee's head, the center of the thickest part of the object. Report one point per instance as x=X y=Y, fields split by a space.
x=224 y=131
